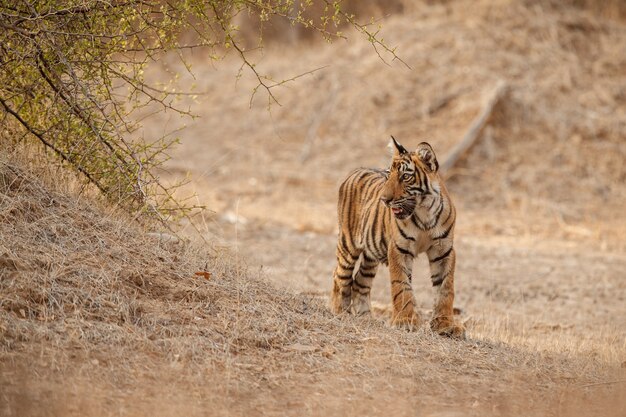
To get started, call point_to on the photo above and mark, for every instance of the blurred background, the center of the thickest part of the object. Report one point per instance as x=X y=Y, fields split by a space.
x=100 y=315
x=548 y=169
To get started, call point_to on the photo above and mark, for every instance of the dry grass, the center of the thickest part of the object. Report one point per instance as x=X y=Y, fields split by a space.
x=90 y=301
x=98 y=316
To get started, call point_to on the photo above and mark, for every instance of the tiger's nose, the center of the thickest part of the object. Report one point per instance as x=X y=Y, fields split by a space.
x=385 y=200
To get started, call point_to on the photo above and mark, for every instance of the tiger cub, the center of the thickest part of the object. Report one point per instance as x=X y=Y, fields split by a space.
x=391 y=216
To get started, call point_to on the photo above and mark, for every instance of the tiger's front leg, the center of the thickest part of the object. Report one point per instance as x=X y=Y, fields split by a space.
x=403 y=302
x=362 y=285
x=442 y=261
x=341 y=295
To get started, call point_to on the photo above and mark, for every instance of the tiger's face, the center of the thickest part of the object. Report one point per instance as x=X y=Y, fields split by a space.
x=412 y=180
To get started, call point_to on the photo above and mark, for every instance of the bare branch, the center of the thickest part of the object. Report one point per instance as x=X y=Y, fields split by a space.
x=49 y=145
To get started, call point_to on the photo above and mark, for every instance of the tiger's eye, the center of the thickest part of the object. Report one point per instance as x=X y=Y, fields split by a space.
x=406 y=177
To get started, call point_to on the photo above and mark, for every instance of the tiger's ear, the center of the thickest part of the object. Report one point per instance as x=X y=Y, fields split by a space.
x=426 y=154
x=396 y=148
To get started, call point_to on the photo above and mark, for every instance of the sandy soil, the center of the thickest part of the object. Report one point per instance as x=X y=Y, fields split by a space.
x=540 y=239
x=541 y=233
x=540 y=236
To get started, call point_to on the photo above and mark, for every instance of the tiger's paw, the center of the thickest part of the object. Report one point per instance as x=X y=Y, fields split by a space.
x=339 y=303
x=360 y=311
x=445 y=326
x=339 y=307
x=409 y=323
x=360 y=305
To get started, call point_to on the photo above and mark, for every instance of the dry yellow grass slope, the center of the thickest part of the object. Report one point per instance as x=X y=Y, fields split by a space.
x=100 y=317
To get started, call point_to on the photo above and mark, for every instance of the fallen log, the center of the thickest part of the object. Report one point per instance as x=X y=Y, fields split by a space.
x=475 y=129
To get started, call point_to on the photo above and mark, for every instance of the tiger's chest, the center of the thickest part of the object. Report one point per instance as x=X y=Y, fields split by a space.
x=408 y=235
x=377 y=237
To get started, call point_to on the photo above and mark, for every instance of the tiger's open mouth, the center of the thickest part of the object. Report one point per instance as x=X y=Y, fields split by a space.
x=400 y=212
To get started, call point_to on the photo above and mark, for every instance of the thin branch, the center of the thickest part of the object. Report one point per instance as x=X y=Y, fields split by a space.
x=294 y=20
x=371 y=36
x=49 y=145
x=244 y=58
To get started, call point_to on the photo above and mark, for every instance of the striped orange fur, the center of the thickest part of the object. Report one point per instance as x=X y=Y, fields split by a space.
x=391 y=216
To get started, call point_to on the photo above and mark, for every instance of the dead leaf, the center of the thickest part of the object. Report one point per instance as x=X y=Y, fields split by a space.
x=204 y=274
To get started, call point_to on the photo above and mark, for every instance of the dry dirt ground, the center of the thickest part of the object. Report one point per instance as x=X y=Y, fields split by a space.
x=541 y=222
x=541 y=235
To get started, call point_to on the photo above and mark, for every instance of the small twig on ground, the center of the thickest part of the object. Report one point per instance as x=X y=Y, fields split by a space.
x=475 y=129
